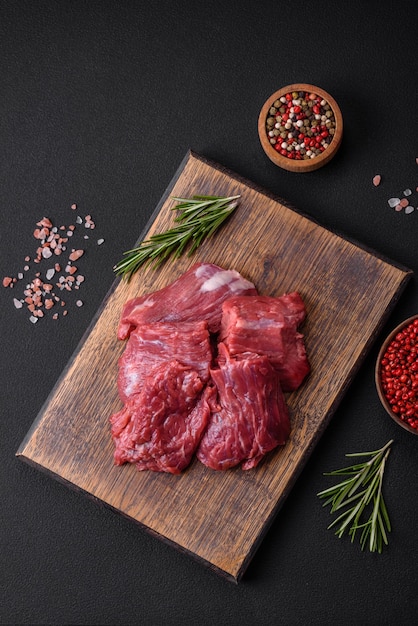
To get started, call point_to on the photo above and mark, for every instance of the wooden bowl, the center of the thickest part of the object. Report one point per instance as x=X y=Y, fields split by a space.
x=303 y=165
x=378 y=380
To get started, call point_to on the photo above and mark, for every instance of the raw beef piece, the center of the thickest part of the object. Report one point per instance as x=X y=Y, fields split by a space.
x=196 y=295
x=268 y=325
x=251 y=418
x=159 y=428
x=149 y=345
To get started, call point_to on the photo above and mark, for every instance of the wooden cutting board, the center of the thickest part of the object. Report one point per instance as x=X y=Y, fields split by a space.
x=221 y=517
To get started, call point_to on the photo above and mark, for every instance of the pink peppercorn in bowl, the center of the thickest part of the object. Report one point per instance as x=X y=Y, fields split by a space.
x=396 y=374
x=300 y=127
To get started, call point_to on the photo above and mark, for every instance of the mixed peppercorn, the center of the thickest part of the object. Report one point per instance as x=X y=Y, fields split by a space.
x=399 y=374
x=300 y=125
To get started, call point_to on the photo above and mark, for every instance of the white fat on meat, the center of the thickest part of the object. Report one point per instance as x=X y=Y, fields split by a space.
x=228 y=277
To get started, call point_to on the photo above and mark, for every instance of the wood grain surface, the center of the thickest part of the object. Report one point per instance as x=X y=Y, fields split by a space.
x=221 y=517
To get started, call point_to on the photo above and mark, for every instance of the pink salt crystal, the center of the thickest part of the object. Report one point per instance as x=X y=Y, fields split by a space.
x=45 y=222
x=398 y=207
x=7 y=281
x=392 y=202
x=74 y=206
x=404 y=202
x=46 y=253
x=79 y=303
x=76 y=254
x=376 y=180
x=55 y=316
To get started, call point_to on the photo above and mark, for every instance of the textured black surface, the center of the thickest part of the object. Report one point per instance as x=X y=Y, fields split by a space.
x=99 y=103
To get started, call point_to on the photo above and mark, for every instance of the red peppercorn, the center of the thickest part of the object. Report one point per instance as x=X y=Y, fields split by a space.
x=399 y=368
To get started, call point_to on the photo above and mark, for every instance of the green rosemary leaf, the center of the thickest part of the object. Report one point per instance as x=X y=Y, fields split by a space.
x=198 y=219
x=355 y=496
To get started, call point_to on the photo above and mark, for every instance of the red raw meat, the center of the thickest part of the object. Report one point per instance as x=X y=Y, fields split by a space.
x=160 y=427
x=149 y=345
x=196 y=295
x=177 y=403
x=267 y=325
x=252 y=417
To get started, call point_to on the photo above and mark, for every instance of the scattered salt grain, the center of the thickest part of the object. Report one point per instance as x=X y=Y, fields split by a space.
x=79 y=303
x=18 y=303
x=376 y=180
x=409 y=209
x=393 y=202
x=50 y=273
x=74 y=206
x=407 y=192
x=100 y=241
x=46 y=253
x=76 y=254
x=33 y=319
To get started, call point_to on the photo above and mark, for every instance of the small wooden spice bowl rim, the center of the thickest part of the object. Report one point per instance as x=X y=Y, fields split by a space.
x=304 y=165
x=378 y=379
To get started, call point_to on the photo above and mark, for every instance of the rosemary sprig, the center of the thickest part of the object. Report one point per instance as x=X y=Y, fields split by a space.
x=199 y=217
x=361 y=498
